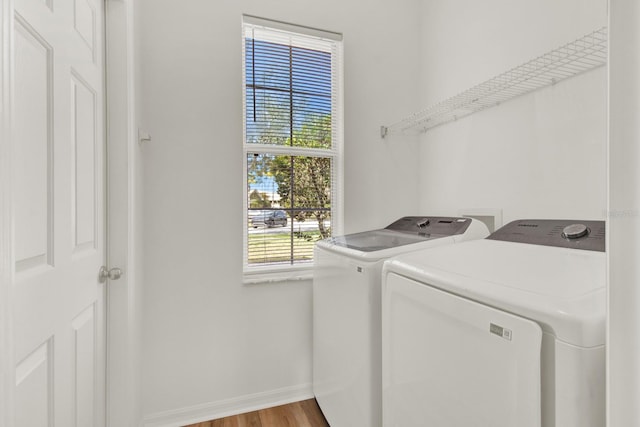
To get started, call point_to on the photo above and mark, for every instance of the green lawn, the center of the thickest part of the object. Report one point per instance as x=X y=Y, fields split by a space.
x=276 y=247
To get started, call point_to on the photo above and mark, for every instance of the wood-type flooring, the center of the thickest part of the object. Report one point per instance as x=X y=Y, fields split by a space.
x=298 y=414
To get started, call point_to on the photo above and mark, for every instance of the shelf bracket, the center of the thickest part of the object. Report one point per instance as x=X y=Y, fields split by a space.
x=143 y=137
x=384 y=131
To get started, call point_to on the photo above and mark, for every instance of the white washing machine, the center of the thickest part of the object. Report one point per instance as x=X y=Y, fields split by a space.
x=346 y=311
x=501 y=332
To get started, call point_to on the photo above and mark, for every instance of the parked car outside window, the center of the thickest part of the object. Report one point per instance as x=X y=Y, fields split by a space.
x=269 y=219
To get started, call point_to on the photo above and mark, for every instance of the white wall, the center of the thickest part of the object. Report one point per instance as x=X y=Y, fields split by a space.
x=210 y=343
x=623 y=334
x=542 y=155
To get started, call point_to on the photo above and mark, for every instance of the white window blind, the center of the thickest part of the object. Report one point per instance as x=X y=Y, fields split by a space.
x=292 y=143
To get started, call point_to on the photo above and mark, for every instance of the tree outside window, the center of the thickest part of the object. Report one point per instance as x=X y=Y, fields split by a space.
x=290 y=150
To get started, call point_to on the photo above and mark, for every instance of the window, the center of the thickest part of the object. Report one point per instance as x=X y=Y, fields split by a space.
x=292 y=143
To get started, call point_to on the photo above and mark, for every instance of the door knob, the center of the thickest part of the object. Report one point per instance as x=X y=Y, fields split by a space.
x=111 y=274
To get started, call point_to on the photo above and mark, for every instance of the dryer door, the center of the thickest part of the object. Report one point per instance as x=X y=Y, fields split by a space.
x=449 y=361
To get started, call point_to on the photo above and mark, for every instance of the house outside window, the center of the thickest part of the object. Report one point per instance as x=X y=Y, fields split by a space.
x=292 y=146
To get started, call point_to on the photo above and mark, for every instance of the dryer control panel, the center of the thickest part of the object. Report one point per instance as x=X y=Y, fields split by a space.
x=426 y=225
x=575 y=234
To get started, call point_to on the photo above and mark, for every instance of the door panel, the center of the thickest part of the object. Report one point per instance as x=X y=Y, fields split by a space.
x=59 y=316
x=33 y=114
x=83 y=116
x=85 y=366
x=34 y=395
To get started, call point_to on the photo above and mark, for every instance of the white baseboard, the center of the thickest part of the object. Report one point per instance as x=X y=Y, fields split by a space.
x=224 y=408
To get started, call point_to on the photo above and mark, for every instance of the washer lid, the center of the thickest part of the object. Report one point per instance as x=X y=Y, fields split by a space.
x=376 y=245
x=562 y=289
x=405 y=231
x=377 y=240
x=406 y=234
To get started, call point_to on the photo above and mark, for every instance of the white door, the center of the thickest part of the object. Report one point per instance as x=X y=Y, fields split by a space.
x=59 y=204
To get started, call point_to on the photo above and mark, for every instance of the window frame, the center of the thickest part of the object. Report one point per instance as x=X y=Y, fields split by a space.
x=288 y=272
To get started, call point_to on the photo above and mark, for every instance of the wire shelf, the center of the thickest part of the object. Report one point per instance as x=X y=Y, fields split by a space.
x=576 y=57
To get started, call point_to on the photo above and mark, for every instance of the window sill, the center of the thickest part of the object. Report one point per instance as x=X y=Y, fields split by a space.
x=287 y=275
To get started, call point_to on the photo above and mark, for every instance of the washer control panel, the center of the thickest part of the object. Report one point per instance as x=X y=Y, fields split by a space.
x=575 y=234
x=422 y=225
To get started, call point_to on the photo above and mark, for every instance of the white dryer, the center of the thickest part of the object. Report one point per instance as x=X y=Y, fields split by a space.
x=501 y=332
x=346 y=311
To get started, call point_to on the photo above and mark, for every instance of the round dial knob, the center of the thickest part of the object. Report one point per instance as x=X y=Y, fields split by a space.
x=423 y=223
x=575 y=231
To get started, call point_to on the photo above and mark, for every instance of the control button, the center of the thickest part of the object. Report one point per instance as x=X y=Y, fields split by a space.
x=423 y=223
x=575 y=231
